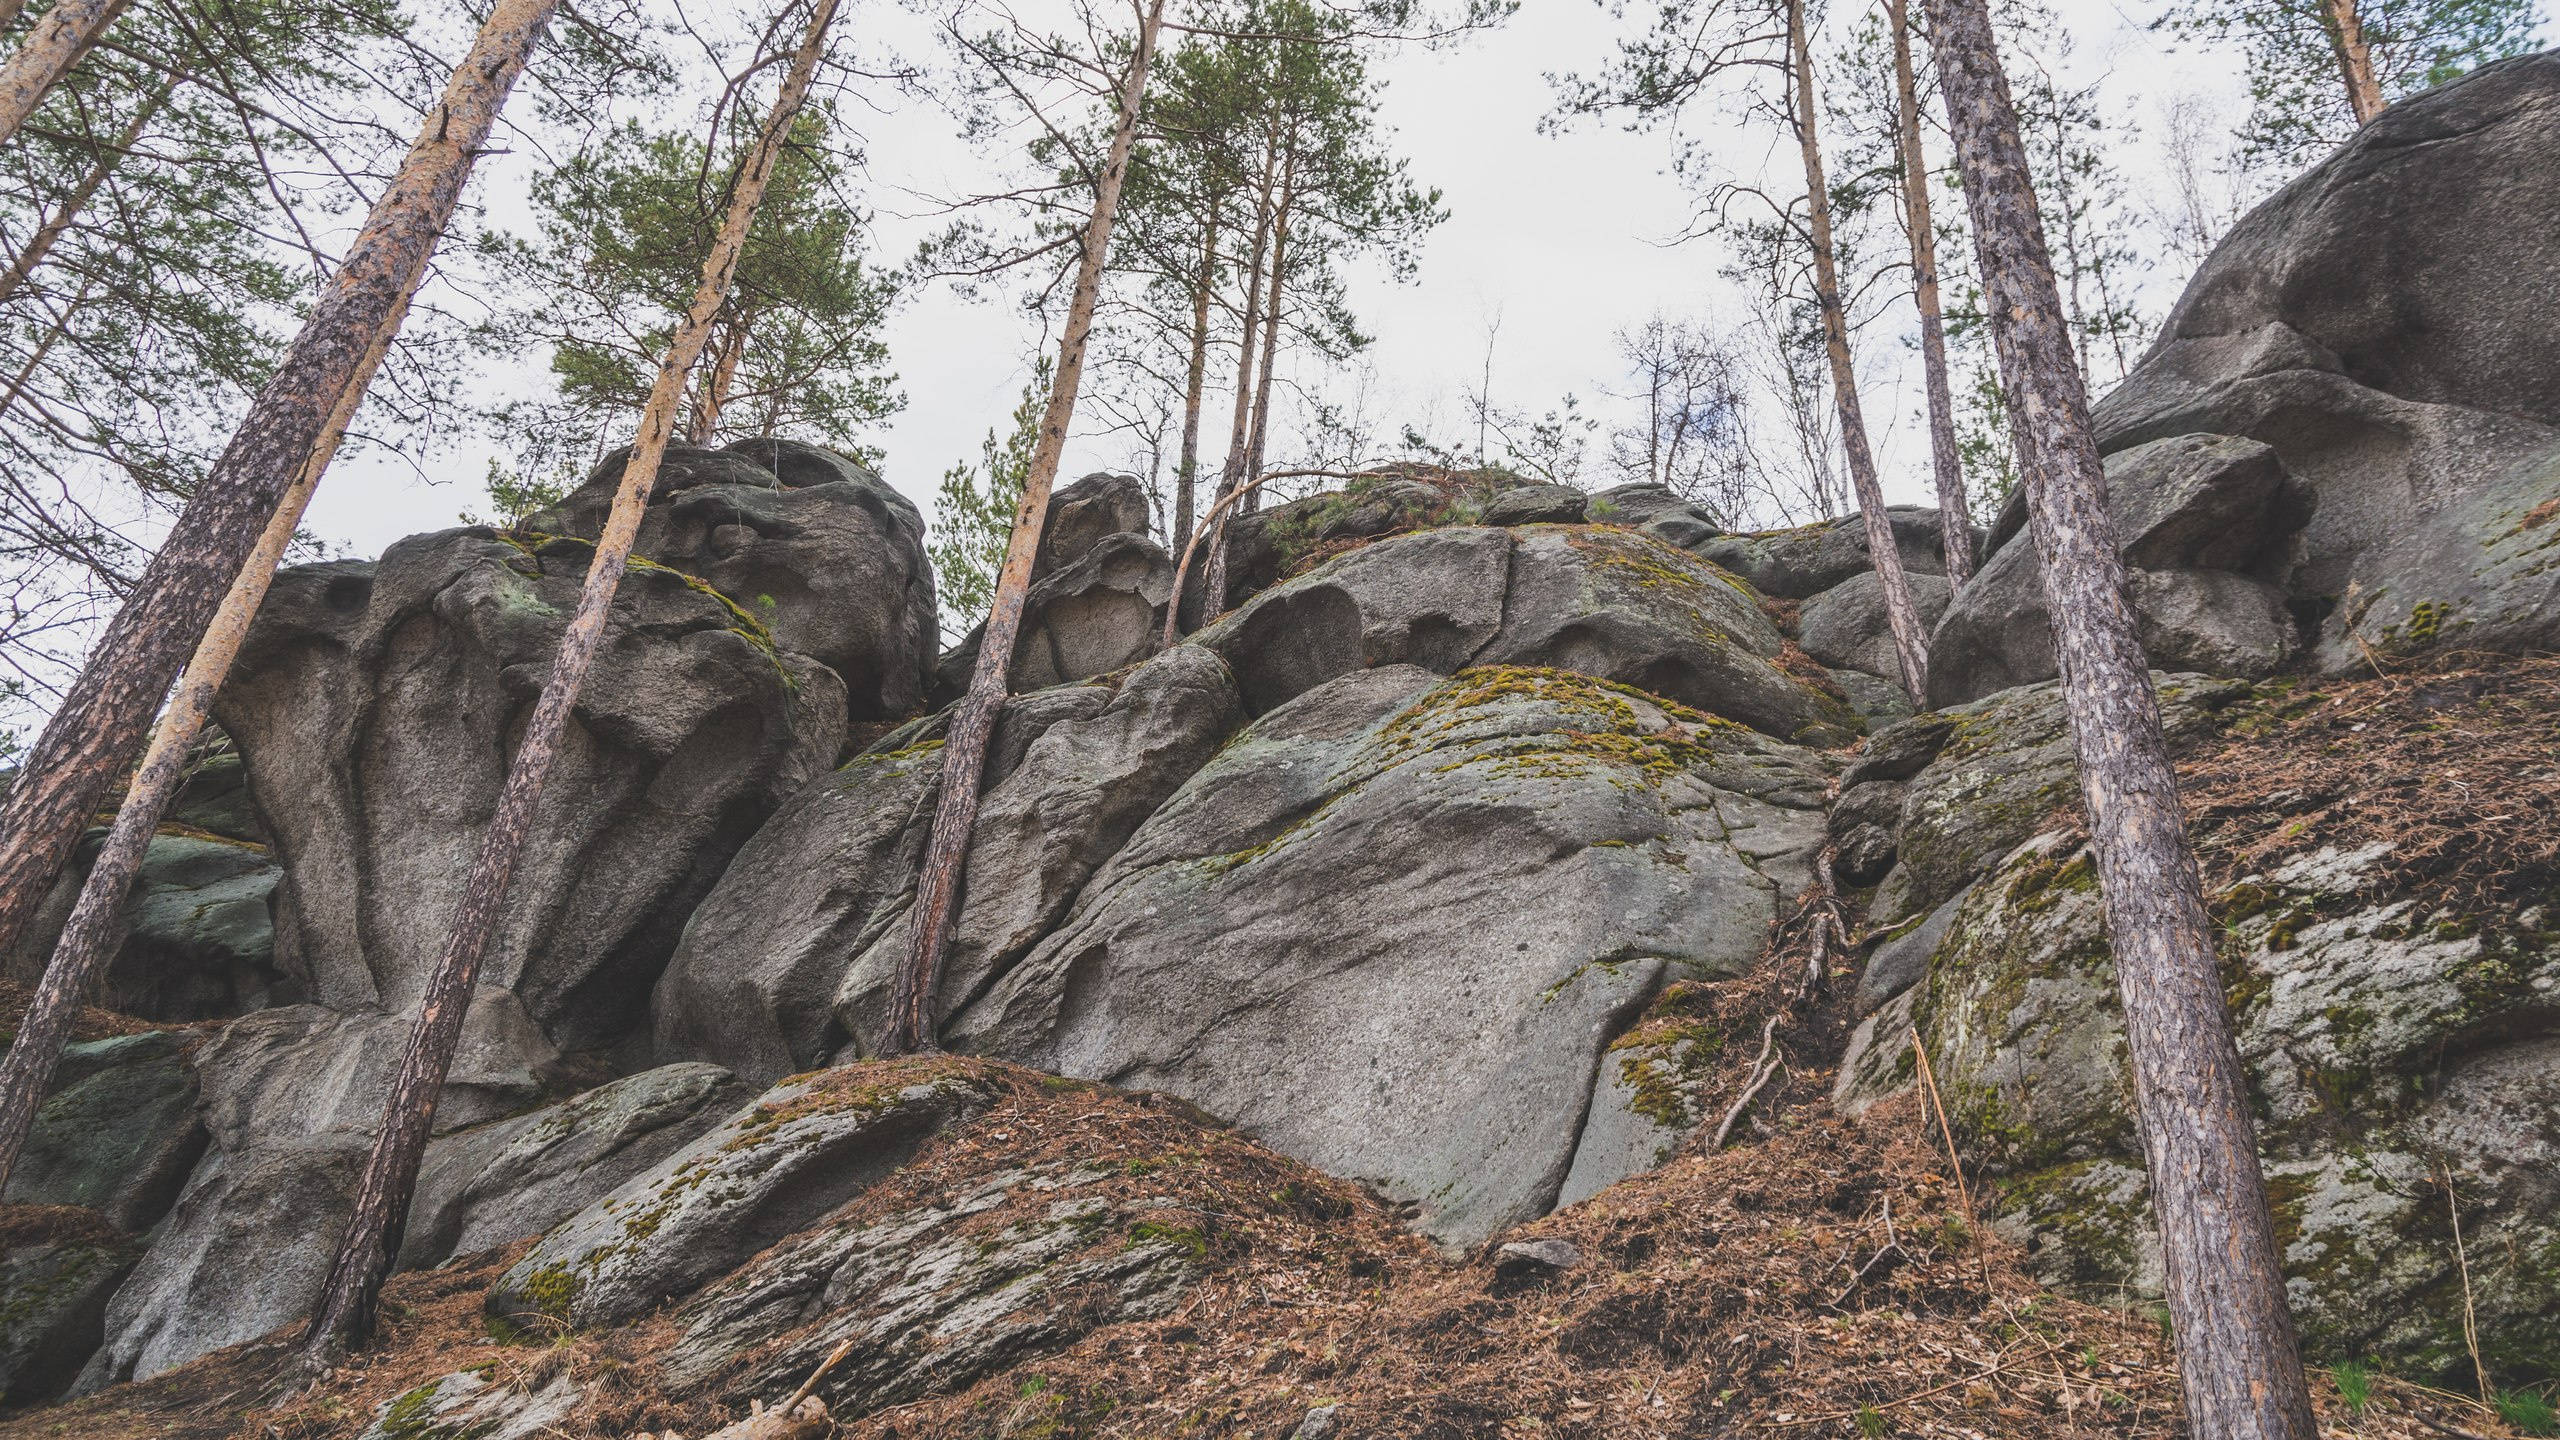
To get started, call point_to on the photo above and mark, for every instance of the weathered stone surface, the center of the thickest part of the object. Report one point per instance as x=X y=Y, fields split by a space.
x=802 y=1149
x=2379 y=323
x=57 y=1268
x=1097 y=596
x=202 y=941
x=1088 y=512
x=789 y=956
x=468 y=1405
x=2377 y=1038
x=1600 y=601
x=1845 y=628
x=1537 y=505
x=2004 y=765
x=1902 y=961
x=291 y=1098
x=1392 y=929
x=376 y=704
x=2206 y=524
x=824 y=554
x=516 y=1178
x=1805 y=561
x=1655 y=510
x=1866 y=823
x=930 y=1302
x=119 y=1135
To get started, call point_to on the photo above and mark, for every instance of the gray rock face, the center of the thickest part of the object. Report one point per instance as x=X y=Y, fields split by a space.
x=2002 y=766
x=2206 y=524
x=468 y=1404
x=1845 y=628
x=375 y=704
x=1903 y=960
x=2378 y=322
x=1601 y=602
x=802 y=1149
x=57 y=1269
x=788 y=957
x=931 y=1302
x=1097 y=596
x=516 y=1178
x=2342 y=994
x=1656 y=511
x=1537 y=505
x=119 y=1135
x=1805 y=561
x=1084 y=514
x=1392 y=928
x=820 y=551
x=291 y=1098
x=202 y=944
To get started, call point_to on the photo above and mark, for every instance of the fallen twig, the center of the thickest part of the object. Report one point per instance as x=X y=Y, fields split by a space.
x=1762 y=1068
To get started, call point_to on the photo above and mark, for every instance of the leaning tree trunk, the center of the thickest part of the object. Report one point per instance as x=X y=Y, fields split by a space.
x=380 y=1213
x=1213 y=577
x=59 y=41
x=2239 y=1366
x=103 y=717
x=90 y=937
x=50 y=233
x=915 y=991
x=1946 y=463
x=1910 y=642
x=1271 y=313
x=2355 y=58
x=1194 y=380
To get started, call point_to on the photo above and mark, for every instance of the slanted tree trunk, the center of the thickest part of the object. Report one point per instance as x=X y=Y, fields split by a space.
x=2239 y=1366
x=1271 y=314
x=58 y=42
x=1213 y=576
x=103 y=716
x=90 y=937
x=380 y=1213
x=1186 y=482
x=2355 y=58
x=57 y=225
x=713 y=397
x=915 y=991
x=1910 y=642
x=1955 y=521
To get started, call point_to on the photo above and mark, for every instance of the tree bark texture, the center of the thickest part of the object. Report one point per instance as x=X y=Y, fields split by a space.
x=375 y=1224
x=2355 y=58
x=1213 y=579
x=915 y=991
x=90 y=937
x=1946 y=464
x=59 y=41
x=103 y=716
x=1271 y=314
x=1910 y=643
x=1186 y=483
x=2240 y=1367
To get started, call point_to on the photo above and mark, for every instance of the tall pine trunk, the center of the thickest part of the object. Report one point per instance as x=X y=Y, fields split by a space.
x=2355 y=58
x=59 y=41
x=374 y=1225
x=915 y=991
x=1910 y=642
x=103 y=716
x=1271 y=313
x=2240 y=1370
x=1194 y=380
x=713 y=396
x=1946 y=463
x=1213 y=577
x=90 y=937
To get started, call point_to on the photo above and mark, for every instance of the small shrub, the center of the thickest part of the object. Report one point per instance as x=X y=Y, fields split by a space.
x=1870 y=1422
x=2355 y=1384
x=2528 y=1412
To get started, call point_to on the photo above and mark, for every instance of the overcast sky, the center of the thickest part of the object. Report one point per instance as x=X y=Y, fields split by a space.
x=1552 y=244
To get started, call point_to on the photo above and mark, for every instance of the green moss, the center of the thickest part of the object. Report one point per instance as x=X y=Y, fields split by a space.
x=552 y=1289
x=1182 y=1237
x=1600 y=727
x=747 y=626
x=2040 y=883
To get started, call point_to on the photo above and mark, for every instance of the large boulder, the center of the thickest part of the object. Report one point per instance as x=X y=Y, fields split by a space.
x=202 y=942
x=58 y=1265
x=1599 y=601
x=1809 y=559
x=2380 y=322
x=2382 y=1042
x=291 y=1098
x=1393 y=928
x=119 y=1135
x=1097 y=598
x=1845 y=627
x=786 y=961
x=2207 y=525
x=378 y=702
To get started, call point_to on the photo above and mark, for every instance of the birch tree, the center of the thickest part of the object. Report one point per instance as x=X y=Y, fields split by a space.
x=372 y=1237
x=105 y=713
x=2240 y=1368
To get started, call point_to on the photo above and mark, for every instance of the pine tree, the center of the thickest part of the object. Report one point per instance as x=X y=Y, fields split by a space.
x=974 y=508
x=2239 y=1365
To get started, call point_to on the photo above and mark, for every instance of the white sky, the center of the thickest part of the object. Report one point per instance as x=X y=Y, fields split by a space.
x=1561 y=239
